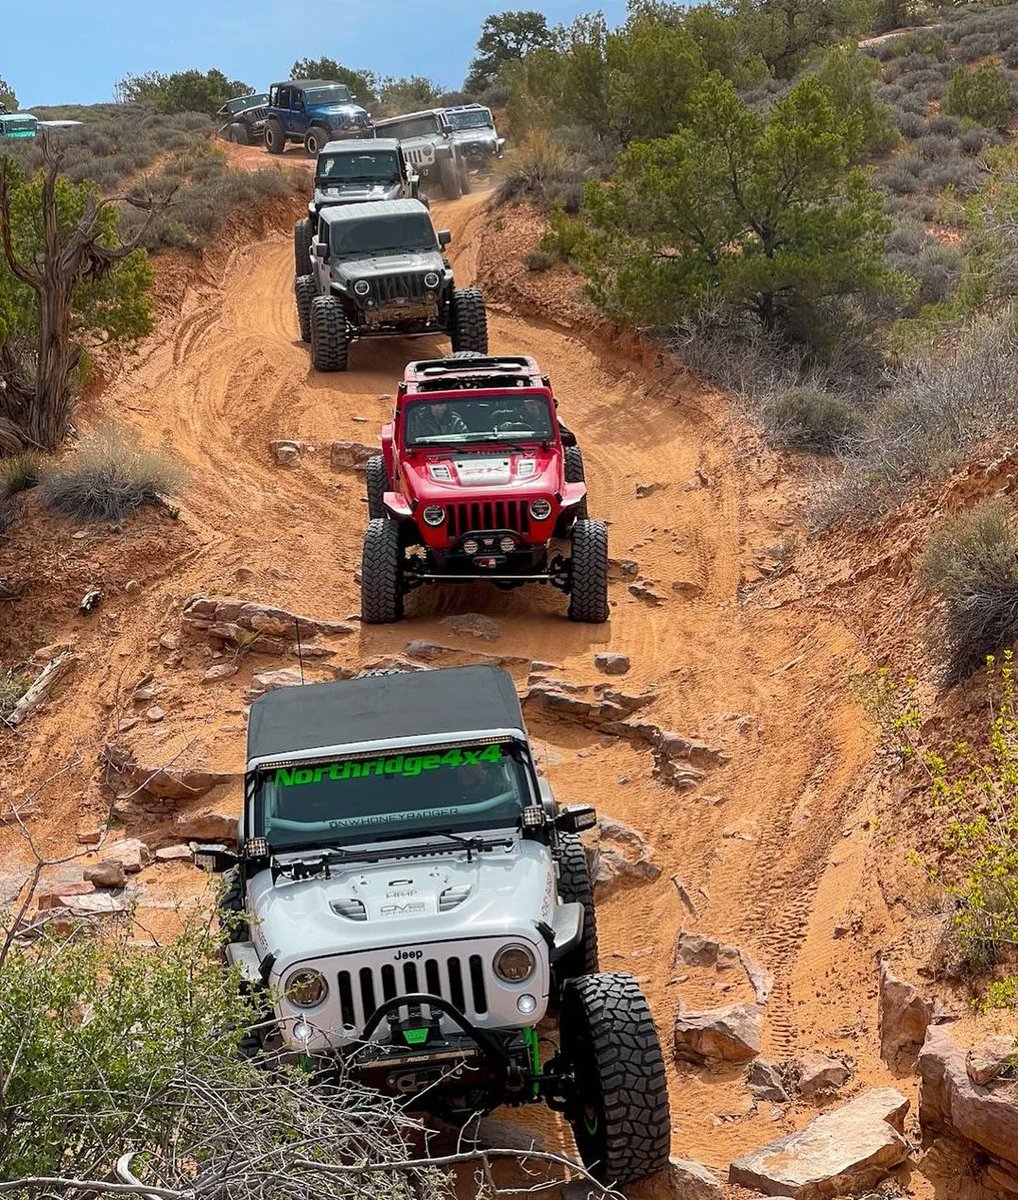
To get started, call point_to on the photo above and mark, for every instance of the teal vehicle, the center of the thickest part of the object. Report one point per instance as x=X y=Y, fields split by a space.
x=18 y=125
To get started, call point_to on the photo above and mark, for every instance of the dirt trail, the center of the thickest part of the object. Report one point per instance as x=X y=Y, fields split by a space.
x=771 y=846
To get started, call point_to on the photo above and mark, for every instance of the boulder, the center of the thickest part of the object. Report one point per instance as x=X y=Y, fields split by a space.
x=109 y=873
x=904 y=1018
x=271 y=681
x=131 y=853
x=351 y=456
x=819 y=1074
x=719 y=1035
x=286 y=453
x=951 y=1103
x=992 y=1058
x=766 y=1080
x=682 y=1179
x=621 y=853
x=840 y=1152
x=612 y=664
x=176 y=853
x=213 y=825
x=696 y=949
x=254 y=626
x=151 y=786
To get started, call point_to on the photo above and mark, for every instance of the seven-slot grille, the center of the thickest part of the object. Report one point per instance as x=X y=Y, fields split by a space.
x=256 y=114
x=498 y=514
x=390 y=289
x=460 y=980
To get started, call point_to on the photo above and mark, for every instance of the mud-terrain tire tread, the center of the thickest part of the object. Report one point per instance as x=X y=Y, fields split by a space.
x=588 y=601
x=231 y=904
x=321 y=136
x=575 y=887
x=609 y=1037
x=330 y=343
x=304 y=294
x=377 y=483
x=575 y=474
x=382 y=573
x=465 y=354
x=237 y=133
x=276 y=143
x=468 y=321
x=302 y=235
x=449 y=176
x=466 y=183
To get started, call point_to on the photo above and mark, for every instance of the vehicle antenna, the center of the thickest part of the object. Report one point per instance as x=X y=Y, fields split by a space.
x=300 y=651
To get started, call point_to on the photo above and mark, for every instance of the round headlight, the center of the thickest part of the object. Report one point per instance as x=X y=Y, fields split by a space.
x=507 y=544
x=540 y=510
x=431 y=280
x=434 y=514
x=470 y=546
x=306 y=988
x=515 y=964
x=362 y=287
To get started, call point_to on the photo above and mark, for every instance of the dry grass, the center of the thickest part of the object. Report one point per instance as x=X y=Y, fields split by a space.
x=19 y=473
x=109 y=478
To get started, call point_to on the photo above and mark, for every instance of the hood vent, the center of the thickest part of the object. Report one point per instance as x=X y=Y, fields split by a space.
x=353 y=910
x=452 y=897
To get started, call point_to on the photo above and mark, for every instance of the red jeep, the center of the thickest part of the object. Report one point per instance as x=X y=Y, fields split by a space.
x=477 y=479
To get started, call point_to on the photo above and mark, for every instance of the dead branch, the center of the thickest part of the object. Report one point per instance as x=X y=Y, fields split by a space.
x=37 y=1182
x=47 y=681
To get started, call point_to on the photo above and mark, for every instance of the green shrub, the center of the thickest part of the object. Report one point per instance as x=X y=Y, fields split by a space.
x=972 y=561
x=540 y=260
x=13 y=685
x=811 y=420
x=983 y=95
x=19 y=473
x=109 y=478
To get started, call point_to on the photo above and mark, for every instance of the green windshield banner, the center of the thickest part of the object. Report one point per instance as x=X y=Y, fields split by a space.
x=406 y=765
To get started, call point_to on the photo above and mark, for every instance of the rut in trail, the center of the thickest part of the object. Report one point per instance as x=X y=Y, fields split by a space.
x=756 y=844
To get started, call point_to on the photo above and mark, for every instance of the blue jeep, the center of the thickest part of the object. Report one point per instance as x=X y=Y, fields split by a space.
x=312 y=111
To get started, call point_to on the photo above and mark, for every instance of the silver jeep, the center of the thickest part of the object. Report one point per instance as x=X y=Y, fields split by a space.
x=409 y=903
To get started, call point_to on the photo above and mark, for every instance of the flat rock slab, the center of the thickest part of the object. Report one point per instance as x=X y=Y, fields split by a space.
x=729 y=1034
x=842 y=1151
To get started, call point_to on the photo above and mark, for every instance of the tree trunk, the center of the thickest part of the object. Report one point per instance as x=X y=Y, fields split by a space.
x=58 y=360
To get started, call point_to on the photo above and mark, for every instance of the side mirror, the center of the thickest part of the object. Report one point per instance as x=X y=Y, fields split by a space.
x=319 y=250
x=576 y=818
x=215 y=858
x=444 y=237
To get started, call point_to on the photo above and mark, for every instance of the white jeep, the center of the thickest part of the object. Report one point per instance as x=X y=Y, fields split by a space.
x=410 y=901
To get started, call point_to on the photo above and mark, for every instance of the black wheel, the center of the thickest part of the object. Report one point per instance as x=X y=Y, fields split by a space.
x=466 y=183
x=468 y=321
x=382 y=574
x=232 y=917
x=275 y=136
x=238 y=134
x=315 y=139
x=448 y=174
x=378 y=485
x=574 y=474
x=330 y=344
x=302 y=234
x=589 y=596
x=304 y=294
x=619 y=1110
x=575 y=887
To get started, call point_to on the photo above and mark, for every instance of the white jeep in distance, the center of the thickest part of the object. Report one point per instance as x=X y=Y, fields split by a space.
x=409 y=900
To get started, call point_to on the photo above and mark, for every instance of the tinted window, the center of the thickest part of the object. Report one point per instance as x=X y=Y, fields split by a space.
x=413 y=127
x=479 y=419
x=337 y=93
x=474 y=119
x=463 y=789
x=378 y=235
x=378 y=166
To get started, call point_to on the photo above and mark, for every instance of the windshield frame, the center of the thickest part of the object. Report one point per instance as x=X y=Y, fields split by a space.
x=395 y=243
x=312 y=96
x=255 y=100
x=487 y=121
x=387 y=828
x=394 y=175
x=480 y=437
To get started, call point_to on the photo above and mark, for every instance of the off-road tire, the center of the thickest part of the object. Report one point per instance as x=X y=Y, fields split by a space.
x=588 y=600
x=304 y=294
x=382 y=573
x=575 y=887
x=231 y=907
x=466 y=183
x=619 y=1112
x=468 y=321
x=302 y=235
x=275 y=136
x=315 y=138
x=574 y=474
x=377 y=485
x=449 y=176
x=237 y=133
x=330 y=343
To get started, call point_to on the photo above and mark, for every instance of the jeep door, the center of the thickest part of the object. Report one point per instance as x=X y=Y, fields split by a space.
x=295 y=119
x=320 y=266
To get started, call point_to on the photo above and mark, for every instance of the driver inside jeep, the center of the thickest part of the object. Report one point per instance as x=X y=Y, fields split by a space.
x=437 y=420
x=462 y=789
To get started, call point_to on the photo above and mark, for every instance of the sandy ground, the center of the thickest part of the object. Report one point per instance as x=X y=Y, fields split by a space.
x=774 y=847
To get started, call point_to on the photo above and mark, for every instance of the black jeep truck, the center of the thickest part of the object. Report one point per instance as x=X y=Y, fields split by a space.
x=378 y=271
x=244 y=119
x=430 y=147
x=354 y=172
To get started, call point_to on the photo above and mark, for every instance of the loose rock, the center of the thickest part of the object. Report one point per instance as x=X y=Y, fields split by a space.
x=474 y=624
x=767 y=1082
x=621 y=853
x=682 y=1179
x=730 y=1034
x=838 y=1153
x=150 y=786
x=219 y=671
x=271 y=681
x=819 y=1074
x=351 y=456
x=905 y=1017
x=108 y=874
x=131 y=853
x=173 y=853
x=643 y=490
x=210 y=826
x=286 y=453
x=643 y=591
x=991 y=1059
x=612 y=664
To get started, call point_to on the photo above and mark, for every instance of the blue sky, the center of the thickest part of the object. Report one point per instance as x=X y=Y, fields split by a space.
x=73 y=51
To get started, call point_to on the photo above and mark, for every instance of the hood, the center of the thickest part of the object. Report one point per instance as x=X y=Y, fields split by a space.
x=337 y=110
x=355 y=193
x=404 y=903
x=483 y=134
x=444 y=477
x=390 y=264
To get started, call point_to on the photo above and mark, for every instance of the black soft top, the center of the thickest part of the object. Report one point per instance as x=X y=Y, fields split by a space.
x=411 y=704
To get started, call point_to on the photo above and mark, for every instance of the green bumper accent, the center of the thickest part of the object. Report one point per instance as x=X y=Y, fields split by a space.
x=530 y=1041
